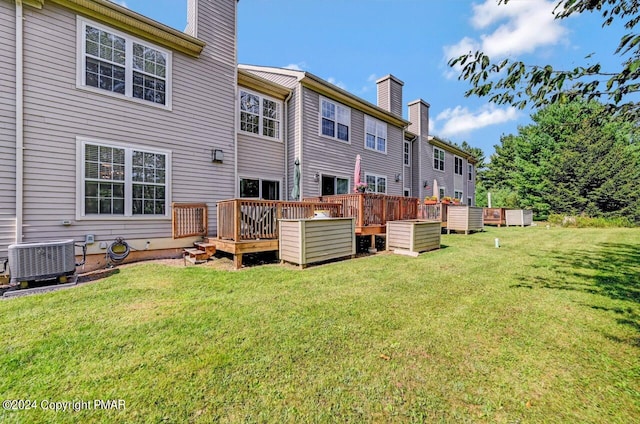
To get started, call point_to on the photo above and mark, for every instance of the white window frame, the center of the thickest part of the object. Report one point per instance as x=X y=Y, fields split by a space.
x=261 y=117
x=458 y=165
x=260 y=180
x=337 y=121
x=81 y=58
x=407 y=191
x=470 y=171
x=379 y=132
x=406 y=153
x=335 y=182
x=377 y=178
x=436 y=153
x=469 y=201
x=81 y=142
x=458 y=194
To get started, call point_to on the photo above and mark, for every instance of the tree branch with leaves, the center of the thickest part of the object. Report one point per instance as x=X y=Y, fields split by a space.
x=538 y=85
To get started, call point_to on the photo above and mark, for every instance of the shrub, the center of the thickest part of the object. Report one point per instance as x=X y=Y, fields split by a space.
x=589 y=222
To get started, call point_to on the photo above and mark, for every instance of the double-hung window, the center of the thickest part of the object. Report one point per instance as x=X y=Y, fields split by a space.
x=335 y=120
x=375 y=135
x=470 y=169
x=376 y=183
x=123 y=181
x=407 y=154
x=457 y=194
x=438 y=159
x=458 y=165
x=115 y=63
x=260 y=115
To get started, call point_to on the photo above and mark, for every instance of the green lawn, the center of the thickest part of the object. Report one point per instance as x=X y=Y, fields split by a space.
x=544 y=329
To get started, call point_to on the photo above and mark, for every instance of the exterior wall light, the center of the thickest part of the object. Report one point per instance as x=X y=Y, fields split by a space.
x=217 y=156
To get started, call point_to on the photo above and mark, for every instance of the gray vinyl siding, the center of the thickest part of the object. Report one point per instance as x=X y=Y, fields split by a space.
x=56 y=112
x=384 y=98
x=447 y=178
x=417 y=183
x=261 y=158
x=7 y=125
x=334 y=157
x=470 y=185
x=292 y=146
x=284 y=80
x=390 y=97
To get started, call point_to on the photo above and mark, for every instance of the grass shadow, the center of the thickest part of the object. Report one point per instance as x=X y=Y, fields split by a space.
x=606 y=269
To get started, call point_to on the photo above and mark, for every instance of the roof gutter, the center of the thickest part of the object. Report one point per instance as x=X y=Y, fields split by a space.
x=124 y=19
x=453 y=149
x=327 y=89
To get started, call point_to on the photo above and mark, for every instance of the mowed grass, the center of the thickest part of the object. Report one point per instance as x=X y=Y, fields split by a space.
x=544 y=329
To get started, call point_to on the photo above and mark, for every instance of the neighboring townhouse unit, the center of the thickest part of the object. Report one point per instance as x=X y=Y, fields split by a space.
x=261 y=137
x=108 y=117
x=442 y=169
x=324 y=128
x=299 y=116
x=453 y=169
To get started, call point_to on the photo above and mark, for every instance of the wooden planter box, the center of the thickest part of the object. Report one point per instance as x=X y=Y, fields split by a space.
x=306 y=241
x=464 y=218
x=521 y=217
x=411 y=237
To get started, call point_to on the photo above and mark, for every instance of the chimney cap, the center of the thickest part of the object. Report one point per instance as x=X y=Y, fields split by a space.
x=391 y=77
x=419 y=101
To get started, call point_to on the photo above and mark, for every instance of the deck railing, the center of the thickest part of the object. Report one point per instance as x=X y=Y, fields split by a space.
x=436 y=212
x=371 y=209
x=242 y=219
x=495 y=216
x=189 y=219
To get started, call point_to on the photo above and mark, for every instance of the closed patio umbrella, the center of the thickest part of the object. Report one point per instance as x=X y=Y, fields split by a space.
x=295 y=191
x=436 y=192
x=356 y=174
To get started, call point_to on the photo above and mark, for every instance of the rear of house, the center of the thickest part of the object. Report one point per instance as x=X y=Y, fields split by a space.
x=119 y=119
x=325 y=128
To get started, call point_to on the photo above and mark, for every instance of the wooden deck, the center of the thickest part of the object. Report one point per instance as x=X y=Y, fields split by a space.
x=372 y=211
x=251 y=226
x=435 y=212
x=494 y=216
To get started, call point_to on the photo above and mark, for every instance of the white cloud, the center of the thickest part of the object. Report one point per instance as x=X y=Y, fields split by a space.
x=296 y=66
x=461 y=120
x=509 y=29
x=121 y=3
x=372 y=78
x=464 y=46
x=339 y=84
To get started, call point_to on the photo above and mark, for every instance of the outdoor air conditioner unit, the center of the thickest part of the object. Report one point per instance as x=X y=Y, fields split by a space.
x=41 y=261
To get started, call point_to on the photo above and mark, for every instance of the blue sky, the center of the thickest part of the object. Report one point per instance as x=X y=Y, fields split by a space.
x=351 y=43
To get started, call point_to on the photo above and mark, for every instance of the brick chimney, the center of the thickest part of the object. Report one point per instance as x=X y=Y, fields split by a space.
x=390 y=94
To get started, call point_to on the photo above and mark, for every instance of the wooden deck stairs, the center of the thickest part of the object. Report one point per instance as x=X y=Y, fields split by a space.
x=200 y=252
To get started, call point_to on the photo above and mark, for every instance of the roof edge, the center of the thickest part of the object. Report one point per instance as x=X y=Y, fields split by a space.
x=124 y=19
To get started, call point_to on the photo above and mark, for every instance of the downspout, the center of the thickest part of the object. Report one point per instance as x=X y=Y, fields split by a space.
x=19 y=121
x=285 y=134
x=300 y=124
x=236 y=108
